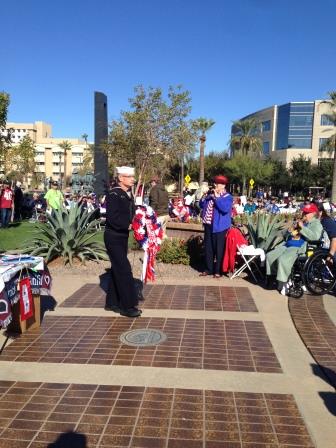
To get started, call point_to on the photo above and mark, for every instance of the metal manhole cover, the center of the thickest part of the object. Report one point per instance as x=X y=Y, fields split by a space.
x=143 y=337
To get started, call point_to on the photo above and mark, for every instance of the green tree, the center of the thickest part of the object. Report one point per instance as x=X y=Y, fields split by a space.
x=322 y=174
x=243 y=167
x=66 y=146
x=5 y=134
x=330 y=144
x=23 y=158
x=202 y=125
x=280 y=178
x=246 y=137
x=87 y=160
x=154 y=132
x=301 y=173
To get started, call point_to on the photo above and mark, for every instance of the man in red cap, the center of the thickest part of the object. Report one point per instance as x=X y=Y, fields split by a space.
x=216 y=207
x=284 y=255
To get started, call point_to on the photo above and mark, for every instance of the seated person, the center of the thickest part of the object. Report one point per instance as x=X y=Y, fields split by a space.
x=180 y=210
x=272 y=207
x=284 y=255
x=250 y=207
x=38 y=203
x=329 y=226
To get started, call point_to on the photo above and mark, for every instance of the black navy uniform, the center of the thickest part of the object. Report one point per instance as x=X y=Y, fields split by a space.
x=120 y=210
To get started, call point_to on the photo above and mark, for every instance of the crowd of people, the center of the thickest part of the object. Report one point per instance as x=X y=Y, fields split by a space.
x=214 y=205
x=16 y=205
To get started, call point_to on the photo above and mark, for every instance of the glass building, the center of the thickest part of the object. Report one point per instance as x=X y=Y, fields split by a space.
x=293 y=129
x=295 y=126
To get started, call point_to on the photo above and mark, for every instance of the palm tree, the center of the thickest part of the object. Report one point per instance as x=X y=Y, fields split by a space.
x=246 y=137
x=66 y=146
x=330 y=144
x=203 y=125
x=85 y=138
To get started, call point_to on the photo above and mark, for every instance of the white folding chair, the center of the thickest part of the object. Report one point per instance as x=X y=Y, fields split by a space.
x=249 y=255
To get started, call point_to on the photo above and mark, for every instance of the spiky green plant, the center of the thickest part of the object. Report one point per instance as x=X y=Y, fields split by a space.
x=68 y=234
x=265 y=231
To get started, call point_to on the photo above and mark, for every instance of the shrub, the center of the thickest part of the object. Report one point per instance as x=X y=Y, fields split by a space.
x=174 y=251
x=265 y=231
x=68 y=234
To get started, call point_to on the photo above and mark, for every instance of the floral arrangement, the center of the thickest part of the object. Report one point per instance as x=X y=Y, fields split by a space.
x=148 y=233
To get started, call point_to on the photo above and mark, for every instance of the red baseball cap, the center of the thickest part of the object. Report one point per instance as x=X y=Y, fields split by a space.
x=221 y=180
x=310 y=208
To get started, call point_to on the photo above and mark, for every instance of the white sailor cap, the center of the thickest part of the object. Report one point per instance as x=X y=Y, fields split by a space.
x=125 y=170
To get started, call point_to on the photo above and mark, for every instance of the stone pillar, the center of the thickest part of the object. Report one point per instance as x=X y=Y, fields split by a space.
x=101 y=133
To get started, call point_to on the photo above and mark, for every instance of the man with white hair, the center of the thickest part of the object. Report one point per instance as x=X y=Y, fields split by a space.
x=121 y=296
x=18 y=201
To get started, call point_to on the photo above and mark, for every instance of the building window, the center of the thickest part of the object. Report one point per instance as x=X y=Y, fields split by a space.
x=39 y=163
x=326 y=120
x=295 y=126
x=266 y=125
x=55 y=163
x=324 y=160
x=302 y=143
x=322 y=144
x=266 y=148
x=77 y=153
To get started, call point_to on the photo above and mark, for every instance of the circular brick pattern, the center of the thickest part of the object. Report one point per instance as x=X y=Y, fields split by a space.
x=143 y=337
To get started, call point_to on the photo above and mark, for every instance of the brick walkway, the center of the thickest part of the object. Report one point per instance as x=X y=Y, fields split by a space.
x=114 y=416
x=317 y=332
x=211 y=298
x=199 y=344
x=215 y=382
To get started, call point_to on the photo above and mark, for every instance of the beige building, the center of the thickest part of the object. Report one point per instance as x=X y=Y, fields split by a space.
x=49 y=156
x=295 y=128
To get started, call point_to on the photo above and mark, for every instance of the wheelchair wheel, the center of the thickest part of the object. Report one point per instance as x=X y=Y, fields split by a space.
x=296 y=292
x=319 y=276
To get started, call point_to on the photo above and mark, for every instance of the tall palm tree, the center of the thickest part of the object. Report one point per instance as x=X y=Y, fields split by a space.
x=330 y=144
x=85 y=138
x=246 y=137
x=203 y=125
x=66 y=146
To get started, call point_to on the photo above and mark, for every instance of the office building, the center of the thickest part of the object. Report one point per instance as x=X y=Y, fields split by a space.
x=294 y=128
x=49 y=156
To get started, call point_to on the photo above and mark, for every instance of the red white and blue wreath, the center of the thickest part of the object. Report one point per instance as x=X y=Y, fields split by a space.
x=148 y=233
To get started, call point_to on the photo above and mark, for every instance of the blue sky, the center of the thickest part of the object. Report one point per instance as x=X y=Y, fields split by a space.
x=235 y=56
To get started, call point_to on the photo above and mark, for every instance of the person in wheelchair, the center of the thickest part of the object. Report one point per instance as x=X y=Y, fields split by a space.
x=329 y=226
x=38 y=207
x=283 y=257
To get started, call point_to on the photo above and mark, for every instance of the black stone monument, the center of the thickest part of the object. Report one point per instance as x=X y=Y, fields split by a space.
x=101 y=133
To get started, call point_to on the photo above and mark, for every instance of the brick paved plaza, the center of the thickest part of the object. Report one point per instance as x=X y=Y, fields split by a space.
x=233 y=371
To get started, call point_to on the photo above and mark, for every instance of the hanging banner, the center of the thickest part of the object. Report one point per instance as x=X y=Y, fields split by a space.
x=26 y=299
x=40 y=281
x=5 y=310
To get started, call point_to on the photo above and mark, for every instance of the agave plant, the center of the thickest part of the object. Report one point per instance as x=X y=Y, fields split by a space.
x=265 y=231
x=68 y=234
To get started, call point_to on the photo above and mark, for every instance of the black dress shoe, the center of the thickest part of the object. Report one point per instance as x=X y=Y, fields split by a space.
x=113 y=308
x=131 y=312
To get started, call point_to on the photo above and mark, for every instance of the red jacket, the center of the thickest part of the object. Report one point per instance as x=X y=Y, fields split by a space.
x=234 y=238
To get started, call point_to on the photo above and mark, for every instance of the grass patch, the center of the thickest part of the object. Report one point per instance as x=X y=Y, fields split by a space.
x=15 y=236
x=18 y=234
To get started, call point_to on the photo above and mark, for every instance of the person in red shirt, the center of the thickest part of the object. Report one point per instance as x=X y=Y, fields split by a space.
x=6 y=204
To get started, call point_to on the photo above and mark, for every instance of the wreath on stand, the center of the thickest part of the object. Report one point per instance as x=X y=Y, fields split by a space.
x=148 y=233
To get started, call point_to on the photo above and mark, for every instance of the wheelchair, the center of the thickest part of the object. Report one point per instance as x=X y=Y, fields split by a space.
x=304 y=275
x=319 y=273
